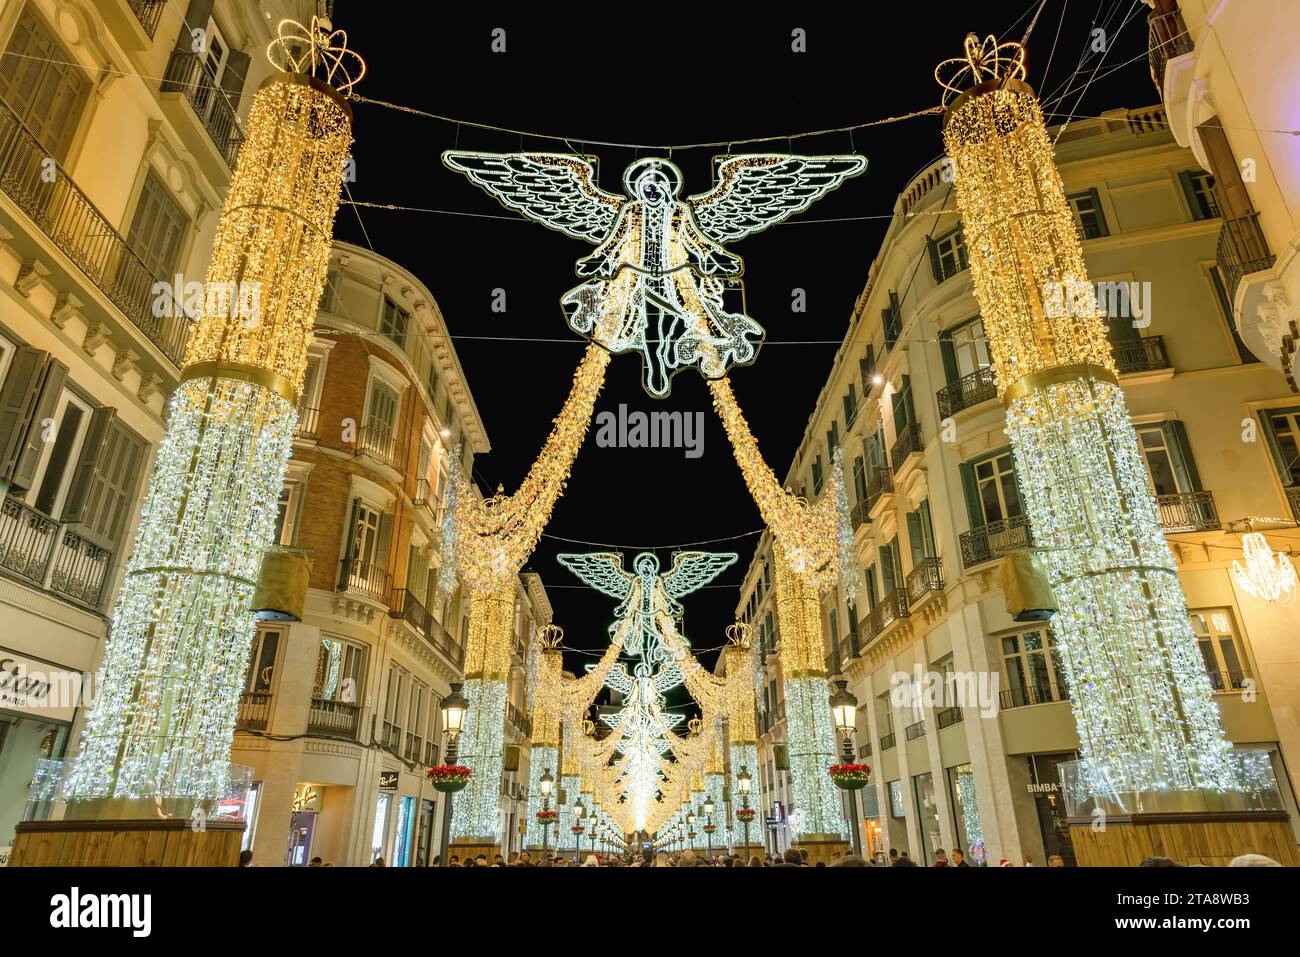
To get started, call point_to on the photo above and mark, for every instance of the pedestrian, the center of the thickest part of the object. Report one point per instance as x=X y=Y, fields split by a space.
x=378 y=861
x=848 y=860
x=893 y=857
x=959 y=858
x=803 y=856
x=792 y=858
x=940 y=858
x=591 y=861
x=481 y=861
x=904 y=860
x=315 y=862
x=1253 y=860
x=455 y=860
x=1029 y=860
x=525 y=859
x=1055 y=860
x=1157 y=862
x=246 y=858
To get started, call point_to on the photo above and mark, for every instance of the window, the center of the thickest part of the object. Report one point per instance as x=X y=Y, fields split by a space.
x=417 y=719
x=891 y=318
x=1033 y=668
x=920 y=533
x=1225 y=312
x=393 y=322
x=1198 y=186
x=948 y=255
x=62 y=436
x=339 y=671
x=1088 y=217
x=896 y=808
x=965 y=810
x=1216 y=634
x=395 y=705
x=42 y=85
x=884 y=715
x=817 y=475
x=103 y=503
x=286 y=517
x=261 y=661
x=1282 y=430
x=1169 y=463
x=381 y=409
x=850 y=405
x=964 y=349
x=996 y=494
x=158 y=228
x=214 y=57
x=928 y=809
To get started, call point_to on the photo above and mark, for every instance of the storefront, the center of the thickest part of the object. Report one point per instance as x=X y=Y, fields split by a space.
x=967 y=829
x=1045 y=786
x=38 y=702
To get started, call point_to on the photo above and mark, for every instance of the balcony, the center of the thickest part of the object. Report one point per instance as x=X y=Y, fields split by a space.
x=254 y=711
x=306 y=427
x=363 y=578
x=832 y=664
x=914 y=731
x=861 y=514
x=969 y=390
x=1187 y=512
x=148 y=12
x=924 y=579
x=333 y=719
x=948 y=717
x=404 y=606
x=888 y=741
x=82 y=233
x=1027 y=695
x=1167 y=38
x=1141 y=355
x=186 y=74
x=1230 y=681
x=987 y=542
x=909 y=442
x=879 y=483
x=519 y=721
x=376 y=440
x=864 y=751
x=1242 y=250
x=49 y=555
x=1293 y=500
x=887 y=611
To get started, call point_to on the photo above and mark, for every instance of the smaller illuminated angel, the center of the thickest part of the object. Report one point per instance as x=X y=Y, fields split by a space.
x=658 y=278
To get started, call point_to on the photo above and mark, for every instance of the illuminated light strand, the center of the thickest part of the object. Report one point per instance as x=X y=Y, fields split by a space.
x=475 y=809
x=173 y=669
x=1142 y=703
x=1267 y=576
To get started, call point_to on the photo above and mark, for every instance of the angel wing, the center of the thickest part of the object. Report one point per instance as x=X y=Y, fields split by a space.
x=557 y=190
x=618 y=679
x=693 y=570
x=669 y=676
x=755 y=191
x=603 y=571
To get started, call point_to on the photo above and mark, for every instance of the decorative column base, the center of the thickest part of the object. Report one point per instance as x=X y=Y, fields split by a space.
x=1188 y=838
x=126 y=843
x=468 y=848
x=821 y=847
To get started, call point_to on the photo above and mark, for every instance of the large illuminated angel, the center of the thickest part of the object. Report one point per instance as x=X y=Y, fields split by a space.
x=644 y=594
x=657 y=282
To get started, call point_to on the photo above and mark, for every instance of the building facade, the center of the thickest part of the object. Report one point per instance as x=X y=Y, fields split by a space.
x=117 y=133
x=963 y=712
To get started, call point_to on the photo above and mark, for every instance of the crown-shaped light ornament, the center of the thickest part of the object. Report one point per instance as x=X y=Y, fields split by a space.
x=984 y=60
x=317 y=50
x=738 y=634
x=550 y=635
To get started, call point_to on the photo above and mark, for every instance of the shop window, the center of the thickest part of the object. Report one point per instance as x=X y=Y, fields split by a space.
x=966 y=815
x=261 y=661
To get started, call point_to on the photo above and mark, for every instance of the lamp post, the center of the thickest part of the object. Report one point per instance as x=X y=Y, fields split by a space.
x=547 y=782
x=844 y=711
x=595 y=806
x=708 y=823
x=579 y=812
x=746 y=781
x=453 y=711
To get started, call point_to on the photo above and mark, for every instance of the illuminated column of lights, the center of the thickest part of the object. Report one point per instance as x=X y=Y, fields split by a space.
x=163 y=721
x=1141 y=699
x=544 y=752
x=810 y=738
x=742 y=725
x=487 y=669
x=570 y=785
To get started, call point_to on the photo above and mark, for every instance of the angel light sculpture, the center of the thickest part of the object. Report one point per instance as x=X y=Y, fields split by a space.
x=659 y=277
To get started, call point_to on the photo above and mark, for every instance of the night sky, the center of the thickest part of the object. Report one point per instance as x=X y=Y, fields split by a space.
x=669 y=78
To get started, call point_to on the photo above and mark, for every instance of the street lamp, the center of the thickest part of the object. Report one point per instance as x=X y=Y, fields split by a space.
x=452 y=712
x=595 y=822
x=745 y=781
x=547 y=782
x=844 y=711
x=579 y=812
x=708 y=824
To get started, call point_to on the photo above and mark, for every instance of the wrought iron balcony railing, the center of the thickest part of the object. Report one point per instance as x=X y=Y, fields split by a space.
x=1167 y=38
x=188 y=75
x=914 y=730
x=376 y=440
x=148 y=12
x=334 y=719
x=1293 y=500
x=1187 y=512
x=47 y=554
x=861 y=514
x=1242 y=250
x=948 y=717
x=969 y=390
x=879 y=482
x=363 y=578
x=1141 y=355
x=76 y=226
x=254 y=711
x=888 y=741
x=888 y=610
x=987 y=542
x=908 y=442
x=404 y=606
x=926 y=577
x=307 y=419
x=1019 y=697
x=1230 y=680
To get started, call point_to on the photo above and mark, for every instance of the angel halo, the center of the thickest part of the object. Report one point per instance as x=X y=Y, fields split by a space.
x=660 y=281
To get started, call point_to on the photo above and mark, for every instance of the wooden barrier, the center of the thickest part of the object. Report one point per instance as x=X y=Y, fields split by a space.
x=142 y=843
x=1210 y=839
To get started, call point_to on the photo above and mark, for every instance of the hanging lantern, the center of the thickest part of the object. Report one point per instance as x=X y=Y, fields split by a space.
x=1266 y=575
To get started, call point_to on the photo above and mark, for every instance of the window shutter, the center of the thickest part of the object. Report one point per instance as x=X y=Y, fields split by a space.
x=949 y=356
x=908 y=406
x=1279 y=460
x=196 y=18
x=30 y=393
x=927 y=528
x=83 y=474
x=1231 y=192
x=935 y=266
x=351 y=554
x=1189 y=192
x=157 y=228
x=1101 y=216
x=42 y=84
x=1181 y=454
x=974 y=509
x=887 y=567
x=914 y=541
x=872 y=595
x=385 y=540
x=232 y=77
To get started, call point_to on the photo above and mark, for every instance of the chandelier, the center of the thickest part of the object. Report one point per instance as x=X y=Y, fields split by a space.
x=1266 y=575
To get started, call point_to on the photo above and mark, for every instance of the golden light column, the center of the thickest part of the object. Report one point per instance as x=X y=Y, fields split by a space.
x=738 y=665
x=544 y=752
x=163 y=721
x=1142 y=702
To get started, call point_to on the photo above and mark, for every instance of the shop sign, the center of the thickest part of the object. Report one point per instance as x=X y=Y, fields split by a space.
x=1049 y=787
x=39 y=689
x=388 y=780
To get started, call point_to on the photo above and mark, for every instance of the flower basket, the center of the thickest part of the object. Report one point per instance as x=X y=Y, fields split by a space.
x=710 y=828
x=577 y=829
x=449 y=778
x=850 y=777
x=691 y=835
x=745 y=814
x=547 y=817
